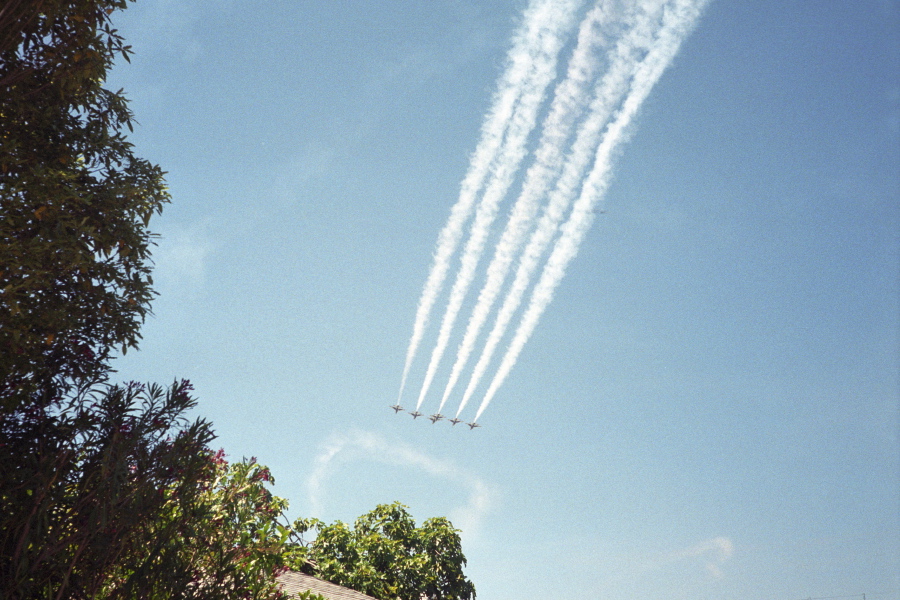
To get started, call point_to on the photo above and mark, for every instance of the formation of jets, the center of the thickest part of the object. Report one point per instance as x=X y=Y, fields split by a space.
x=435 y=417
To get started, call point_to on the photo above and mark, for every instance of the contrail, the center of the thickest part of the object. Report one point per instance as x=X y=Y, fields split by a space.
x=539 y=17
x=608 y=93
x=678 y=19
x=358 y=445
x=566 y=107
x=543 y=60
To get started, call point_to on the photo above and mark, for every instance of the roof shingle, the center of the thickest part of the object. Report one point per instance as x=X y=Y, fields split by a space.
x=294 y=583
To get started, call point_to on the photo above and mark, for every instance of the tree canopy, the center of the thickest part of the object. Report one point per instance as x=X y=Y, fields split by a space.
x=137 y=506
x=75 y=281
x=98 y=483
x=387 y=556
x=87 y=494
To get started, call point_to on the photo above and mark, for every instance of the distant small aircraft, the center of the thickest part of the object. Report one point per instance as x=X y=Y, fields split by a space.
x=415 y=414
x=473 y=425
x=397 y=408
x=435 y=418
x=455 y=420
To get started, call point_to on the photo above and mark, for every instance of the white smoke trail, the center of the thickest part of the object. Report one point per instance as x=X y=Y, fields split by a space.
x=543 y=70
x=622 y=61
x=678 y=19
x=540 y=15
x=566 y=108
x=356 y=445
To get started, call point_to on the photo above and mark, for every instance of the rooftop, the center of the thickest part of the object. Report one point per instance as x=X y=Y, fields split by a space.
x=295 y=583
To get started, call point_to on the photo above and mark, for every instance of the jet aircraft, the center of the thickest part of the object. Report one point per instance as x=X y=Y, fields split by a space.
x=435 y=418
x=455 y=420
x=473 y=425
x=415 y=414
x=397 y=408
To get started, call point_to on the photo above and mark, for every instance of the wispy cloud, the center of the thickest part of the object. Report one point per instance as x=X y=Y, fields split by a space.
x=181 y=257
x=892 y=119
x=716 y=551
x=314 y=162
x=355 y=445
x=170 y=27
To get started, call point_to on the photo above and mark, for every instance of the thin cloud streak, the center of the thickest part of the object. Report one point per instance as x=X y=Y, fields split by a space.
x=340 y=448
x=716 y=550
x=554 y=22
x=622 y=60
x=505 y=104
x=566 y=107
x=721 y=547
x=678 y=20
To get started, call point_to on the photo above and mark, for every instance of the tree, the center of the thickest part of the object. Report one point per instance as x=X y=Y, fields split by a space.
x=386 y=556
x=87 y=493
x=75 y=201
x=106 y=491
x=244 y=540
x=135 y=505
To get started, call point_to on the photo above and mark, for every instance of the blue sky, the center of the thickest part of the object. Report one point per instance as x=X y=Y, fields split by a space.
x=710 y=407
